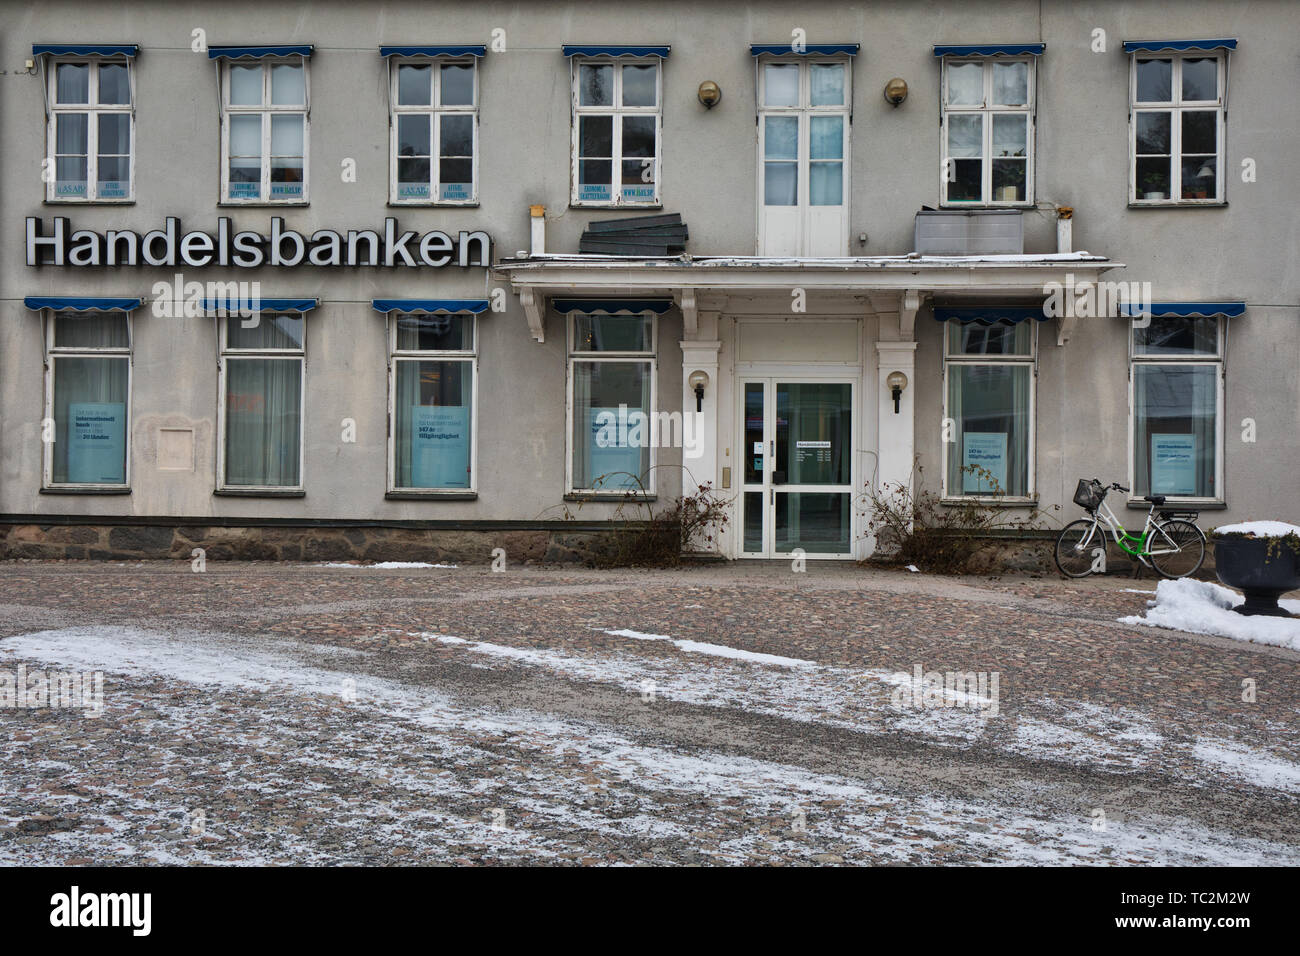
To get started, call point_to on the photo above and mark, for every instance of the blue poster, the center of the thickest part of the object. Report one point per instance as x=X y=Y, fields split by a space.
x=610 y=447
x=439 y=446
x=986 y=450
x=97 y=443
x=1173 y=464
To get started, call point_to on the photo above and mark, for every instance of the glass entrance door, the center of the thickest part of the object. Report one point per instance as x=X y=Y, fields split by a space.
x=798 y=468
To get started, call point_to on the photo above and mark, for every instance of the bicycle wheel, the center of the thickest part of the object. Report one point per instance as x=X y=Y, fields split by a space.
x=1075 y=547
x=1177 y=548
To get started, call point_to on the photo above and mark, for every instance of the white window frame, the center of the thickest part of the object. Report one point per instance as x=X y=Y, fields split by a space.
x=1175 y=107
x=618 y=111
x=435 y=112
x=92 y=110
x=804 y=111
x=53 y=351
x=226 y=352
x=988 y=109
x=1218 y=361
x=1029 y=360
x=266 y=111
x=466 y=356
x=575 y=356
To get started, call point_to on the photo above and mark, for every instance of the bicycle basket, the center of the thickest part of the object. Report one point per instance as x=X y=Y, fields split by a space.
x=1089 y=494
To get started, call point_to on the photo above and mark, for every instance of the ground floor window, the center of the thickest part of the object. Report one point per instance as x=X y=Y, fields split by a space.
x=262 y=373
x=433 y=402
x=87 y=402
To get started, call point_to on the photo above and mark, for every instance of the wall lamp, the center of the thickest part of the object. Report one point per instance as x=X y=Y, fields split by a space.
x=895 y=91
x=896 y=381
x=710 y=94
x=697 y=381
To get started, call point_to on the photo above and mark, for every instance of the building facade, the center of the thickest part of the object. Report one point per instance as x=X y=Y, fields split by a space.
x=418 y=269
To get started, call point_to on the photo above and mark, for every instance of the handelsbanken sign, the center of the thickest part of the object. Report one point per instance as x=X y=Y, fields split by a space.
x=168 y=246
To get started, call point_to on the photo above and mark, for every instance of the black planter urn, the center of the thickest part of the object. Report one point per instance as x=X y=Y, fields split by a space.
x=1261 y=568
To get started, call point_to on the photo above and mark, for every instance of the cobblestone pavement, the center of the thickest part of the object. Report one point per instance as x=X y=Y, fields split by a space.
x=262 y=713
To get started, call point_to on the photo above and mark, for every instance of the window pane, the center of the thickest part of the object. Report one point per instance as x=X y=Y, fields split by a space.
x=814 y=433
x=596 y=136
x=827 y=80
x=1199 y=177
x=413 y=84
x=413 y=180
x=965 y=146
x=72 y=83
x=114 y=134
x=965 y=135
x=457 y=84
x=1200 y=79
x=753 y=467
x=263 y=421
x=70 y=133
x=457 y=136
x=780 y=184
x=612 y=333
x=1175 y=410
x=595 y=178
x=245 y=156
x=966 y=84
x=1010 y=83
x=435 y=333
x=780 y=137
x=1200 y=131
x=639 y=85
x=1153 y=133
x=816 y=522
x=1009 y=180
x=413 y=134
x=1155 y=81
x=433 y=406
x=272 y=331
x=1153 y=177
x=595 y=85
x=638 y=168
x=286 y=135
x=990 y=404
x=1002 y=338
x=1009 y=134
x=826 y=184
x=1177 y=336
x=245 y=85
x=827 y=137
x=114 y=87
x=71 y=164
x=288 y=87
x=638 y=136
x=781 y=84
x=90 y=420
x=753 y=521
x=611 y=436
x=286 y=157
x=94 y=330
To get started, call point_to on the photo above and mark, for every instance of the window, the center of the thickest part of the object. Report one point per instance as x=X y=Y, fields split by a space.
x=434 y=131
x=87 y=395
x=612 y=398
x=262 y=369
x=1177 y=402
x=988 y=131
x=989 y=409
x=432 y=384
x=264 y=131
x=91 y=131
x=1176 y=129
x=803 y=145
x=616 y=132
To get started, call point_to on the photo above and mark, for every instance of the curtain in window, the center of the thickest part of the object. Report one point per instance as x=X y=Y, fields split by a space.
x=263 y=421
x=1175 y=429
x=90 y=419
x=432 y=401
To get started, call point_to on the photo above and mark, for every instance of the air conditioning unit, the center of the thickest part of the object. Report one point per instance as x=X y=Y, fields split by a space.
x=970 y=232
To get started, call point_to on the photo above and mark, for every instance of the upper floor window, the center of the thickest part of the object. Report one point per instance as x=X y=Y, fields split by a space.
x=1176 y=128
x=264 y=130
x=434 y=131
x=91 y=131
x=617 y=131
x=988 y=130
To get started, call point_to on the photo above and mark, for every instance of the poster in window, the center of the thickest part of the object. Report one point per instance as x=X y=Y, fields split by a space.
x=439 y=446
x=97 y=443
x=611 y=448
x=1173 y=464
x=987 y=453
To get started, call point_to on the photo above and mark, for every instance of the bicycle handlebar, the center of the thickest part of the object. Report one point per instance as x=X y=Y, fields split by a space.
x=1114 y=485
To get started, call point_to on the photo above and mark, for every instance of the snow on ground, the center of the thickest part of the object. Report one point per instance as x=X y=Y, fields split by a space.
x=441 y=769
x=1205 y=608
x=1260 y=529
x=384 y=565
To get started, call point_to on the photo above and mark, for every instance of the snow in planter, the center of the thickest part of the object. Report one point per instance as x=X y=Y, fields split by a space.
x=1204 y=608
x=1258 y=529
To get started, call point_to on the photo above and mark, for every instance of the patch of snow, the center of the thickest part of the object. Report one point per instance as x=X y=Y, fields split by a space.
x=386 y=565
x=717 y=650
x=913 y=568
x=1248 y=763
x=1201 y=607
x=1260 y=529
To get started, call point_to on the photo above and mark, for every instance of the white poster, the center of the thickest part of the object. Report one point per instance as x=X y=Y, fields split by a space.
x=1173 y=464
x=97 y=443
x=614 y=448
x=439 y=446
x=987 y=451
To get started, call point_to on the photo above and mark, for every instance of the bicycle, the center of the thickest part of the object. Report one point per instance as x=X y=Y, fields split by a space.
x=1170 y=542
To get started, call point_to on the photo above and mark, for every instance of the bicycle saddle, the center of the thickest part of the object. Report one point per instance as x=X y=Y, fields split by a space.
x=1156 y=500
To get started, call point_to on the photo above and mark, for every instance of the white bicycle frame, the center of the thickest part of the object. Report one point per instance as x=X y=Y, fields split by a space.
x=1103 y=514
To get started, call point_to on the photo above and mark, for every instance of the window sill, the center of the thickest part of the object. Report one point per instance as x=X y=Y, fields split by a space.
x=998 y=502
x=987 y=206
x=85 y=490
x=262 y=203
x=431 y=495
x=610 y=497
x=1176 y=504
x=433 y=205
x=632 y=207
x=260 y=493
x=1178 y=204
x=88 y=202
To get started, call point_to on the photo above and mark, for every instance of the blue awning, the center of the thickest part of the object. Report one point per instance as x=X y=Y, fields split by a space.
x=65 y=303
x=263 y=305
x=989 y=314
x=581 y=49
x=462 y=49
x=1186 y=310
x=86 y=49
x=611 y=306
x=990 y=49
x=1178 y=46
x=808 y=49
x=257 y=52
x=430 y=306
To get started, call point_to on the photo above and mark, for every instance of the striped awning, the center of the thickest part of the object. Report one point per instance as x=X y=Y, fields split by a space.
x=611 y=306
x=589 y=49
x=63 y=303
x=85 y=49
x=989 y=49
x=257 y=52
x=805 y=49
x=261 y=305
x=454 y=49
x=1185 y=310
x=430 y=306
x=989 y=314
x=1179 y=46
